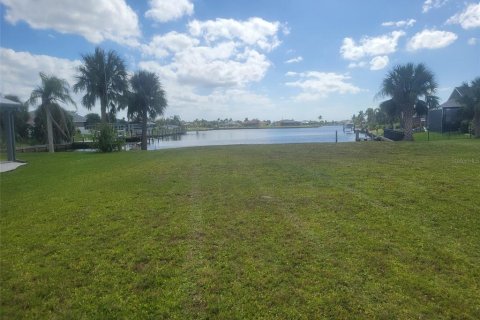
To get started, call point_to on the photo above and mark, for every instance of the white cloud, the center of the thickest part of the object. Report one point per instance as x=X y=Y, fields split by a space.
x=431 y=39
x=20 y=75
x=433 y=4
x=472 y=41
x=185 y=98
x=254 y=31
x=95 y=20
x=370 y=46
x=295 y=60
x=20 y=71
x=219 y=66
x=468 y=18
x=163 y=45
x=378 y=63
x=359 y=64
x=317 y=85
x=215 y=53
x=168 y=10
x=400 y=24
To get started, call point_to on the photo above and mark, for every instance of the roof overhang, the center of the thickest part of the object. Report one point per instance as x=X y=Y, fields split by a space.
x=7 y=104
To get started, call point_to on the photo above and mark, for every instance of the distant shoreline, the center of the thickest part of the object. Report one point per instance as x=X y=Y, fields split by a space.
x=286 y=127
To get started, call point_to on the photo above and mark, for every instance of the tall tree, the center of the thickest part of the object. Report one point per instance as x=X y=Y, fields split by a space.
x=51 y=92
x=102 y=76
x=406 y=85
x=471 y=102
x=146 y=100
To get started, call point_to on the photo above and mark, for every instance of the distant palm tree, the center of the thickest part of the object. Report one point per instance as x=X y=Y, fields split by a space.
x=51 y=92
x=406 y=85
x=471 y=102
x=146 y=100
x=103 y=76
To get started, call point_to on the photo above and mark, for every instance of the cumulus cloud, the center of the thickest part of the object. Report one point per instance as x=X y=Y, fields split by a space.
x=433 y=4
x=95 y=20
x=218 y=66
x=254 y=31
x=222 y=101
x=295 y=60
x=214 y=53
x=20 y=71
x=400 y=24
x=370 y=46
x=20 y=74
x=168 y=10
x=316 y=85
x=468 y=18
x=472 y=41
x=359 y=64
x=163 y=45
x=431 y=39
x=378 y=63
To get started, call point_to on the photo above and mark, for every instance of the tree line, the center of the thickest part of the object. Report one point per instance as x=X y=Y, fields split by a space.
x=411 y=91
x=102 y=77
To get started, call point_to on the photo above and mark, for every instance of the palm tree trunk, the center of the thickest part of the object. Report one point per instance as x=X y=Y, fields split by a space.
x=51 y=147
x=144 y=132
x=103 y=109
x=408 y=123
x=476 y=123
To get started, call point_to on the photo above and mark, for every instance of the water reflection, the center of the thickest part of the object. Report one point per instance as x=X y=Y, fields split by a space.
x=251 y=136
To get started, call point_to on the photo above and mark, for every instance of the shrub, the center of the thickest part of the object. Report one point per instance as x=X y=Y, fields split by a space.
x=107 y=140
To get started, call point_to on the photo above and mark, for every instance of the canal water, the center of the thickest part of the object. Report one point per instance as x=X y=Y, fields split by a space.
x=252 y=136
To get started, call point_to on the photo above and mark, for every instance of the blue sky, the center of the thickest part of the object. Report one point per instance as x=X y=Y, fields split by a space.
x=266 y=59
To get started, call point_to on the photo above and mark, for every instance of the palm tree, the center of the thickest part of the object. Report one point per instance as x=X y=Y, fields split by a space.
x=146 y=100
x=63 y=126
x=406 y=85
x=103 y=76
x=471 y=102
x=51 y=92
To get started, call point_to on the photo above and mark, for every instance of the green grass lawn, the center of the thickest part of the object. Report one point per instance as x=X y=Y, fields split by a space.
x=433 y=136
x=354 y=230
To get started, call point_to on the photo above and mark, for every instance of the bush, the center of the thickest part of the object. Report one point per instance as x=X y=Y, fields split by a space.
x=107 y=140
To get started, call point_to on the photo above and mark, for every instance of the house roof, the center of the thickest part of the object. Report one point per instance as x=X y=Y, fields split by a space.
x=9 y=104
x=452 y=100
x=450 y=104
x=77 y=117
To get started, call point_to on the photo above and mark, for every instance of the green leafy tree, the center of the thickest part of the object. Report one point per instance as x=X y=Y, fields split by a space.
x=146 y=100
x=471 y=103
x=51 y=92
x=389 y=113
x=102 y=76
x=371 y=117
x=92 y=119
x=406 y=85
